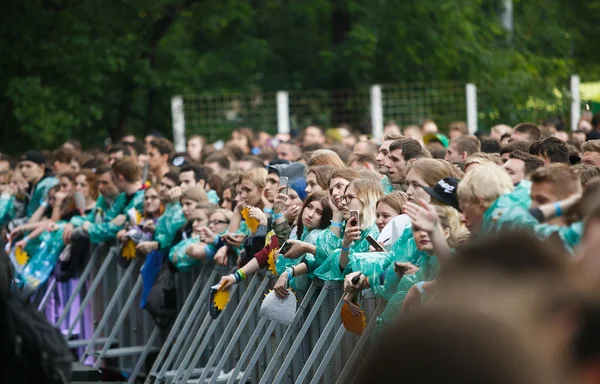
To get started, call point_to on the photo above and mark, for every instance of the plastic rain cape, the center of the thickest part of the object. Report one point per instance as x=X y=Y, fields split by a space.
x=330 y=268
x=302 y=282
x=168 y=224
x=6 y=209
x=44 y=259
x=511 y=212
x=178 y=256
x=101 y=232
x=386 y=185
x=40 y=194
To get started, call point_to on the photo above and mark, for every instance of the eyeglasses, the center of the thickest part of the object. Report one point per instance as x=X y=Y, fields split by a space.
x=347 y=198
x=215 y=222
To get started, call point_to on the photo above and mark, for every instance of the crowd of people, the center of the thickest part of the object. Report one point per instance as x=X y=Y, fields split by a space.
x=467 y=240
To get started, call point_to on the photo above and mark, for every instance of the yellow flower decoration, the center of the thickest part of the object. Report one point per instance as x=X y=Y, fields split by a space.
x=220 y=299
x=21 y=256
x=128 y=251
x=271 y=261
x=353 y=324
x=251 y=222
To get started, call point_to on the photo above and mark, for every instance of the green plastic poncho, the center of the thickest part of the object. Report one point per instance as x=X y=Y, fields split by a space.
x=386 y=185
x=326 y=243
x=6 y=209
x=428 y=270
x=101 y=232
x=42 y=263
x=178 y=256
x=40 y=194
x=330 y=268
x=168 y=224
x=511 y=212
x=213 y=198
x=95 y=216
x=301 y=282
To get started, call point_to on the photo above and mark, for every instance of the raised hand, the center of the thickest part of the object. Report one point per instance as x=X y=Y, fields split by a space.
x=423 y=215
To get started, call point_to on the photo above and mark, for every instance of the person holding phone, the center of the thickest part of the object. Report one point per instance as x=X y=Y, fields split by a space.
x=358 y=209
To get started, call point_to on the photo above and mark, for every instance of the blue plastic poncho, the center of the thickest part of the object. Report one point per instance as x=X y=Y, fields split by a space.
x=6 y=209
x=213 y=198
x=178 y=256
x=40 y=194
x=42 y=263
x=300 y=283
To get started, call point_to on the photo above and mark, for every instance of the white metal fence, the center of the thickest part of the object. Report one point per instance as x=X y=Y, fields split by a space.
x=499 y=101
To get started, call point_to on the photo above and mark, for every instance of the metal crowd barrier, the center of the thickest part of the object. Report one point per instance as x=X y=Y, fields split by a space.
x=237 y=347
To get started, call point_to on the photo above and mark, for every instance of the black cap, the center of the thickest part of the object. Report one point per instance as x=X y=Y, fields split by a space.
x=445 y=192
x=593 y=135
x=34 y=156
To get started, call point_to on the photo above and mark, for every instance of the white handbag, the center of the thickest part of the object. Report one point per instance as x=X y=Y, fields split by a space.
x=279 y=310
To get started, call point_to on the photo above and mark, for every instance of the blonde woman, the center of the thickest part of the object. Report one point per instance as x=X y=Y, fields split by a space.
x=325 y=157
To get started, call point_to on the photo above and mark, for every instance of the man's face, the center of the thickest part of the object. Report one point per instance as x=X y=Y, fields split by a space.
x=382 y=155
x=591 y=158
x=270 y=190
x=313 y=135
x=543 y=193
x=515 y=169
x=473 y=214
x=31 y=171
x=187 y=180
x=155 y=160
x=164 y=187
x=106 y=186
x=115 y=156
x=452 y=155
x=396 y=166
x=286 y=152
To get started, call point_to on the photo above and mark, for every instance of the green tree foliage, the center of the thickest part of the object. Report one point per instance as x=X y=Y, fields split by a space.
x=94 y=69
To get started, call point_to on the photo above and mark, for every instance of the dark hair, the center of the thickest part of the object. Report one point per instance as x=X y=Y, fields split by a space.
x=137 y=146
x=102 y=169
x=199 y=171
x=521 y=145
x=595 y=120
x=173 y=176
x=163 y=146
x=466 y=144
x=64 y=155
x=553 y=148
x=323 y=198
x=363 y=158
x=586 y=172
x=120 y=148
x=531 y=162
x=530 y=129
x=491 y=146
x=342 y=150
x=411 y=148
x=128 y=168
x=255 y=160
x=219 y=158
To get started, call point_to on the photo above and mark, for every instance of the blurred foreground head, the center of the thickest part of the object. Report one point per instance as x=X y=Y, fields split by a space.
x=443 y=345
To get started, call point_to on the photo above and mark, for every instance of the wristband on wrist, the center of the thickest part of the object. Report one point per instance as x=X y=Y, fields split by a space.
x=557 y=209
x=236 y=277
x=241 y=274
x=216 y=241
x=345 y=249
x=336 y=224
x=268 y=211
x=26 y=239
x=419 y=286
x=277 y=216
x=290 y=271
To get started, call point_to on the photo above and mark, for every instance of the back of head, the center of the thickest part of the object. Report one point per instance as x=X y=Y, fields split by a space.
x=484 y=184
x=219 y=158
x=128 y=168
x=552 y=148
x=514 y=145
x=196 y=194
x=491 y=146
x=531 y=162
x=530 y=129
x=434 y=170
x=442 y=345
x=467 y=144
x=325 y=157
x=586 y=172
x=342 y=151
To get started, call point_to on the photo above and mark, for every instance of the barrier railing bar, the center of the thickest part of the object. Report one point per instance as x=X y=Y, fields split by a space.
x=120 y=319
x=257 y=352
x=358 y=349
x=86 y=299
x=47 y=294
x=142 y=357
x=181 y=317
x=288 y=333
x=322 y=340
x=105 y=317
x=224 y=339
x=299 y=338
x=327 y=357
x=199 y=345
x=247 y=350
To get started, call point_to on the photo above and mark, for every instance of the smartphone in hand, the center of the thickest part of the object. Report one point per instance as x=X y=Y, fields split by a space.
x=378 y=247
x=354 y=218
x=285 y=248
x=283 y=182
